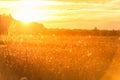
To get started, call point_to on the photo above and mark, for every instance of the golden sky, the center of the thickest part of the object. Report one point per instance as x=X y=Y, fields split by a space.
x=83 y=14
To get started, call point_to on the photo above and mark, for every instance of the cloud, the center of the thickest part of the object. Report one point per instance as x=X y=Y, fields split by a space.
x=66 y=0
x=88 y=1
x=115 y=2
x=76 y=12
x=9 y=0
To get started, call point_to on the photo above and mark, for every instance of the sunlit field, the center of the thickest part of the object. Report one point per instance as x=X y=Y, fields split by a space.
x=59 y=39
x=40 y=57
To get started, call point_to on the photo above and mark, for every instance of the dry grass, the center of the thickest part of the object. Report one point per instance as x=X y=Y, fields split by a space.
x=56 y=57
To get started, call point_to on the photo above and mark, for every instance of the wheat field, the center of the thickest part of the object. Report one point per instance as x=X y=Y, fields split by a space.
x=33 y=57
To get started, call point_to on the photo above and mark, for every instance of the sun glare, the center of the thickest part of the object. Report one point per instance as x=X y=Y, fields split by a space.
x=26 y=15
x=33 y=11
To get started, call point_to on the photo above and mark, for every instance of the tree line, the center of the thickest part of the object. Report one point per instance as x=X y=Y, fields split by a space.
x=36 y=28
x=5 y=22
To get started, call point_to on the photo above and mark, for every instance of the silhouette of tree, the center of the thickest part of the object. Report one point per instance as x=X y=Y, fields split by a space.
x=95 y=28
x=33 y=28
x=5 y=21
x=29 y=28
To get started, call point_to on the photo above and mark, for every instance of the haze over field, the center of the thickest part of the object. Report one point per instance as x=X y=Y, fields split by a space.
x=82 y=14
x=30 y=51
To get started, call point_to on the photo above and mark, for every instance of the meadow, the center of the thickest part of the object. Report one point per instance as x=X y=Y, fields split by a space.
x=42 y=57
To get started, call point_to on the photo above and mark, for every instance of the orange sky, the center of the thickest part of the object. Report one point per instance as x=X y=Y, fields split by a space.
x=83 y=14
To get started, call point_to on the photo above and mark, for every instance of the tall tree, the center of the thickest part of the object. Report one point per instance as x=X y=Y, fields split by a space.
x=5 y=22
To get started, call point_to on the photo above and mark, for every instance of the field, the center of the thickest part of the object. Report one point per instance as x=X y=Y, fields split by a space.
x=60 y=58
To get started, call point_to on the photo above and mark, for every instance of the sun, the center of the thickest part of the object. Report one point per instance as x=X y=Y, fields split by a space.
x=28 y=15
x=27 y=11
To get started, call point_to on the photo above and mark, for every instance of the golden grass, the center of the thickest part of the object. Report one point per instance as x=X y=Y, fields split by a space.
x=56 y=57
